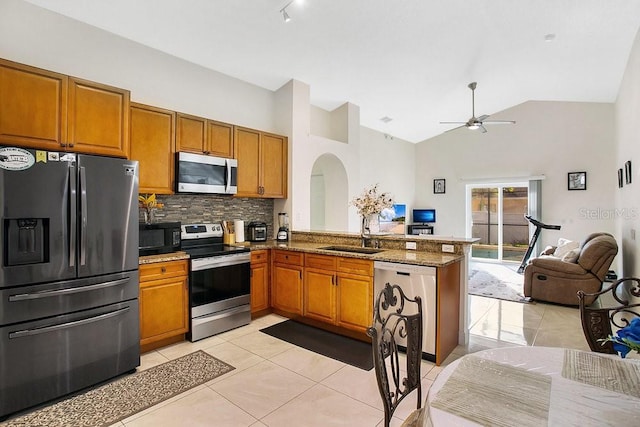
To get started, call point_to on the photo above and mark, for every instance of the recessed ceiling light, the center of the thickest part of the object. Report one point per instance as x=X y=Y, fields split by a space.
x=386 y=119
x=549 y=37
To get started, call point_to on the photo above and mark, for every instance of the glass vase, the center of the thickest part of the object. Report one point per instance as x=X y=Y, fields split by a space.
x=149 y=216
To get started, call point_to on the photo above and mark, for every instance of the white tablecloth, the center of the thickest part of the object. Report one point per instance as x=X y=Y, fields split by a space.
x=572 y=401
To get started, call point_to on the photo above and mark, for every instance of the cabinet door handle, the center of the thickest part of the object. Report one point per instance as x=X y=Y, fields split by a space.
x=163 y=269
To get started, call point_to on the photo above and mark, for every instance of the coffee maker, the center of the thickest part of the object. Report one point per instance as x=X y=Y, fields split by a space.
x=283 y=230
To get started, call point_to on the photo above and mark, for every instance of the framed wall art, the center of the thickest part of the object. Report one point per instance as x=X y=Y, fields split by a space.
x=577 y=180
x=439 y=186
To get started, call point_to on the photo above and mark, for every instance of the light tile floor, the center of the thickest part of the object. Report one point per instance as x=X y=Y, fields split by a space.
x=276 y=384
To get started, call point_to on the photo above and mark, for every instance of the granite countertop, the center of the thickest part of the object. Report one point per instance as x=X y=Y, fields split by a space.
x=173 y=256
x=430 y=259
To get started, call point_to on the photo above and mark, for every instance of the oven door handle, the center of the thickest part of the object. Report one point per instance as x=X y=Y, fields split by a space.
x=200 y=264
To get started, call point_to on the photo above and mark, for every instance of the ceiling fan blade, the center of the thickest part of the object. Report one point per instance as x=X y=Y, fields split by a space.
x=499 y=122
x=452 y=123
x=483 y=117
x=482 y=129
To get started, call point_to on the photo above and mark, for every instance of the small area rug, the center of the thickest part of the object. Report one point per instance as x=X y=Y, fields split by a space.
x=344 y=349
x=126 y=396
x=496 y=281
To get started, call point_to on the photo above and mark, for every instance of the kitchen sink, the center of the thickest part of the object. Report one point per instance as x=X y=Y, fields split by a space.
x=354 y=249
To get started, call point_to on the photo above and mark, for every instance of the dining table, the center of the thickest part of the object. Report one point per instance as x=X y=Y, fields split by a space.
x=535 y=386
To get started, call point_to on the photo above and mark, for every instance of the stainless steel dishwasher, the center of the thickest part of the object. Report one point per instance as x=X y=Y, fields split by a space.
x=414 y=280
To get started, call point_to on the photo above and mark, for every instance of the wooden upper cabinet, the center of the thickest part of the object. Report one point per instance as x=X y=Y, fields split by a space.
x=33 y=106
x=274 y=166
x=191 y=133
x=262 y=163
x=219 y=139
x=98 y=118
x=202 y=136
x=50 y=111
x=248 y=155
x=152 y=140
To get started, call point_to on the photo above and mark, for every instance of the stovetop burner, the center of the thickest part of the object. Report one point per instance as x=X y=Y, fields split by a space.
x=206 y=240
x=213 y=250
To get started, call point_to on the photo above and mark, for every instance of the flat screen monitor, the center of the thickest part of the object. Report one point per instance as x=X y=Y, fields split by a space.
x=424 y=215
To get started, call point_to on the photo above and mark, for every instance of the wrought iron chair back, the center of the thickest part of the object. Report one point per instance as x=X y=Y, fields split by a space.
x=397 y=322
x=597 y=321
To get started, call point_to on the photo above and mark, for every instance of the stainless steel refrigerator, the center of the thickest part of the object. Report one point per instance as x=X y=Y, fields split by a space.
x=69 y=313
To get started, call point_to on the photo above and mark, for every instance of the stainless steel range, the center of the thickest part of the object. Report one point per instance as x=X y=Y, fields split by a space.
x=219 y=281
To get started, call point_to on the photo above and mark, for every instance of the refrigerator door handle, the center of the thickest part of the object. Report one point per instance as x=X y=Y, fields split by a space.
x=72 y=216
x=67 y=291
x=53 y=328
x=83 y=218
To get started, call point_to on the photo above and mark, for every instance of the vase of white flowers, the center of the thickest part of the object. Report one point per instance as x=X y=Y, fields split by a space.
x=369 y=204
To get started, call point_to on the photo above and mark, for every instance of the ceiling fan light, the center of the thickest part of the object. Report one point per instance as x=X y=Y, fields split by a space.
x=474 y=126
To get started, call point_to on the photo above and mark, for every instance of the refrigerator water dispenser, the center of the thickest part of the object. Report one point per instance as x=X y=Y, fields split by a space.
x=26 y=241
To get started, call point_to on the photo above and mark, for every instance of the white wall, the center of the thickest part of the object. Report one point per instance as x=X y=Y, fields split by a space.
x=550 y=139
x=38 y=37
x=389 y=162
x=627 y=115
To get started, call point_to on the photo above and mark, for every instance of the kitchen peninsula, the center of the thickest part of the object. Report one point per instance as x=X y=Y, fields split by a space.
x=325 y=279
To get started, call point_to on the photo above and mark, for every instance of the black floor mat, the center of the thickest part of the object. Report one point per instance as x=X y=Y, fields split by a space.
x=344 y=349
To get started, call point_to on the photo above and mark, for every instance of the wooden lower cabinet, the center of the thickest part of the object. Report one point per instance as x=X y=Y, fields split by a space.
x=164 y=303
x=320 y=295
x=259 y=281
x=286 y=283
x=334 y=294
x=354 y=302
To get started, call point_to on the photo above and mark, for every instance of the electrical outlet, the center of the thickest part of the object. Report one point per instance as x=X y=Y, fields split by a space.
x=410 y=245
x=448 y=248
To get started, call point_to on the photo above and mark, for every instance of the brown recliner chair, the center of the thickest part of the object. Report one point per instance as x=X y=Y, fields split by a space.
x=548 y=278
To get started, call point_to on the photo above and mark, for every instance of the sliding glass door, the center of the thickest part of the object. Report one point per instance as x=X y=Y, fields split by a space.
x=496 y=216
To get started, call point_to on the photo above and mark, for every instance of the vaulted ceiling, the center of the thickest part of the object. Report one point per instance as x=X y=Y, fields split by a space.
x=408 y=60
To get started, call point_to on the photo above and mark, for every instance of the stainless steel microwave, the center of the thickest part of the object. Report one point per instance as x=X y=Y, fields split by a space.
x=197 y=173
x=159 y=238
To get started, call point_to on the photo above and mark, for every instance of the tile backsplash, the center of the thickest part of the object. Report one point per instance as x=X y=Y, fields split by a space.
x=195 y=208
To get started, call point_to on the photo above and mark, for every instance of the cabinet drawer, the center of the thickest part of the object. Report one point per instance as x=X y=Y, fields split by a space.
x=324 y=262
x=258 y=257
x=288 y=257
x=355 y=266
x=163 y=270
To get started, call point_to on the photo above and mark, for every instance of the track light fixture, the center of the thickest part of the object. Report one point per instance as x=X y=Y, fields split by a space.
x=285 y=15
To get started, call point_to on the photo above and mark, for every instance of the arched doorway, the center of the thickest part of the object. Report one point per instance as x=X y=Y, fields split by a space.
x=329 y=195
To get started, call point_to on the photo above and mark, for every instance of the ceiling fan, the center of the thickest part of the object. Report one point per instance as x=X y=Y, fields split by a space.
x=477 y=122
